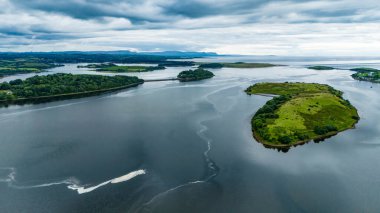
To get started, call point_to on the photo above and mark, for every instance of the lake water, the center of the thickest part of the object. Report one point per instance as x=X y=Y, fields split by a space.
x=186 y=147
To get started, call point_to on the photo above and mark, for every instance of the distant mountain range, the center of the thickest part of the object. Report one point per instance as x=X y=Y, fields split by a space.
x=174 y=54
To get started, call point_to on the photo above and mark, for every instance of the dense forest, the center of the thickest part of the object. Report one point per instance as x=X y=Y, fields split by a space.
x=366 y=74
x=195 y=75
x=59 y=84
x=24 y=65
x=321 y=68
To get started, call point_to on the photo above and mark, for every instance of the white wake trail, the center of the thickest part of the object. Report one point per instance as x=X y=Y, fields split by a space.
x=82 y=190
x=71 y=183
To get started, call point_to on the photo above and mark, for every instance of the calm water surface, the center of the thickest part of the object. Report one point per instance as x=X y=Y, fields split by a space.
x=186 y=147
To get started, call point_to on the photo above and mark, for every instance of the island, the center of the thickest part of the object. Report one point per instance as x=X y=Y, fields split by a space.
x=113 y=68
x=61 y=85
x=24 y=65
x=235 y=65
x=366 y=74
x=194 y=75
x=300 y=112
x=177 y=63
x=321 y=68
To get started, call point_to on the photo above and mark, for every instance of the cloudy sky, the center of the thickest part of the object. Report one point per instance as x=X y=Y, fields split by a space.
x=257 y=27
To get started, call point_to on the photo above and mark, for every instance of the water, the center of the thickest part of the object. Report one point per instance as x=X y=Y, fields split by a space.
x=185 y=147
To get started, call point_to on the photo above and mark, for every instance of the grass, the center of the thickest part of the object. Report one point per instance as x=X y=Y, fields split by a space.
x=309 y=107
x=291 y=88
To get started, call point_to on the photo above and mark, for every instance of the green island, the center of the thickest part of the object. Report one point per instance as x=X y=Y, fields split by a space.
x=62 y=85
x=366 y=74
x=194 y=75
x=176 y=63
x=300 y=112
x=24 y=65
x=110 y=67
x=321 y=68
x=235 y=65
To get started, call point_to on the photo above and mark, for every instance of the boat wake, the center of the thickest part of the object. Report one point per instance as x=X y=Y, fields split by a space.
x=71 y=183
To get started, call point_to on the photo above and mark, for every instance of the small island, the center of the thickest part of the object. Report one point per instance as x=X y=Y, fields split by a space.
x=366 y=74
x=113 y=68
x=24 y=65
x=321 y=68
x=300 y=112
x=176 y=64
x=235 y=65
x=62 y=85
x=194 y=75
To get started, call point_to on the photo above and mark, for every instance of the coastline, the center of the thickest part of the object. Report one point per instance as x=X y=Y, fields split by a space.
x=292 y=139
x=317 y=139
x=67 y=95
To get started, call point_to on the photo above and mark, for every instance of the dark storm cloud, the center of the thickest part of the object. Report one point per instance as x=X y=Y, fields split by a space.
x=139 y=12
x=86 y=9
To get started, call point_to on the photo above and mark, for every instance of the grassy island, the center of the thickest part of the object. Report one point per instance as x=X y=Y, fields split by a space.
x=195 y=75
x=367 y=74
x=110 y=67
x=24 y=65
x=235 y=65
x=321 y=68
x=62 y=85
x=300 y=112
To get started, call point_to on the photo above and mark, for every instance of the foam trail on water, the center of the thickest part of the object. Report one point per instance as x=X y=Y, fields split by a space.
x=72 y=183
x=10 y=177
x=82 y=190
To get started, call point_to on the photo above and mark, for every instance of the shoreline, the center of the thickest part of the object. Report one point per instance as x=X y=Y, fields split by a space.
x=317 y=139
x=259 y=126
x=67 y=95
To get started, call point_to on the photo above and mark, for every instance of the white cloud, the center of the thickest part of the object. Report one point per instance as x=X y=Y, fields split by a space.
x=275 y=28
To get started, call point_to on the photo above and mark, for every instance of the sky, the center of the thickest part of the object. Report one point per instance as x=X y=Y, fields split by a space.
x=249 y=27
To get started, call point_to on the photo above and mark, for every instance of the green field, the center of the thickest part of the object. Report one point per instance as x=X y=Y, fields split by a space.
x=302 y=112
x=236 y=65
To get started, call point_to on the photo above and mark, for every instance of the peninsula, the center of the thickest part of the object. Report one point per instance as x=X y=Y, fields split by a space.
x=16 y=66
x=366 y=74
x=62 y=85
x=300 y=112
x=235 y=65
x=113 y=68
